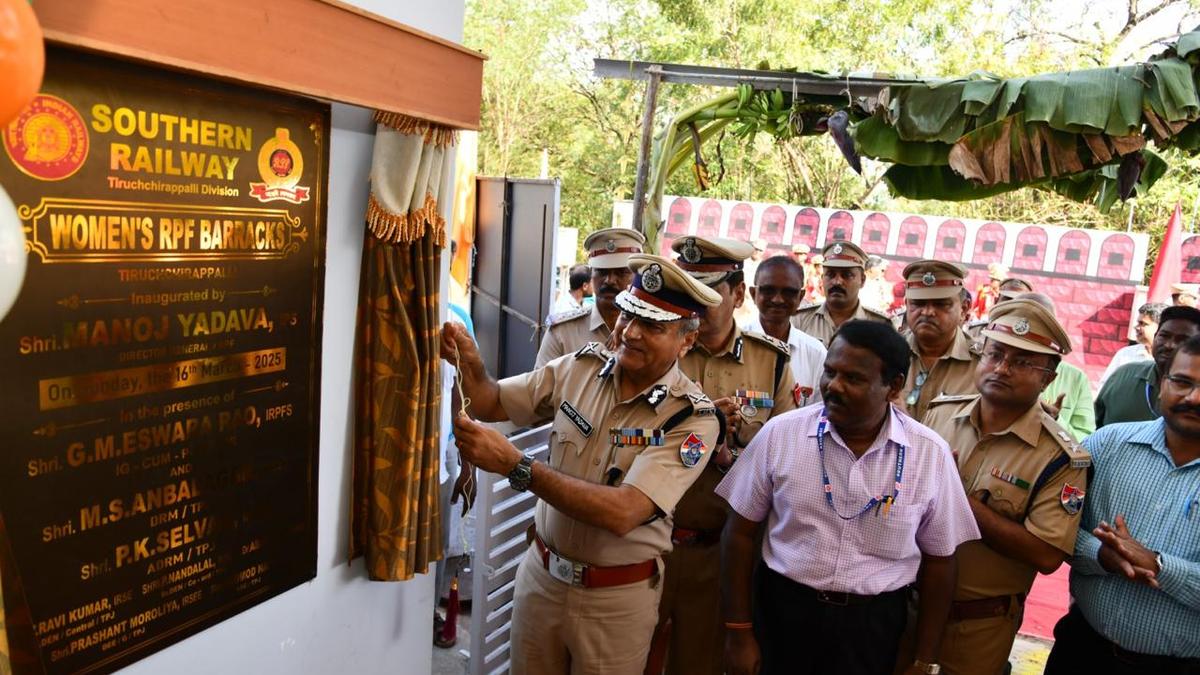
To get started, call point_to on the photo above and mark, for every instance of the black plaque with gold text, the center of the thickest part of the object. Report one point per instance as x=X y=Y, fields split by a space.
x=159 y=374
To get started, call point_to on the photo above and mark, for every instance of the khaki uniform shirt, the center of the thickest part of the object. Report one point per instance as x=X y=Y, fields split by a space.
x=569 y=332
x=814 y=319
x=580 y=394
x=751 y=361
x=953 y=373
x=1023 y=469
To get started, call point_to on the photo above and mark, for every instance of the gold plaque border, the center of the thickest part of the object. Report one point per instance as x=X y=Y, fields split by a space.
x=33 y=245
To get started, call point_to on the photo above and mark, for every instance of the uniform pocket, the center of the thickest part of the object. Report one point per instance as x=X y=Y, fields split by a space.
x=891 y=537
x=1005 y=498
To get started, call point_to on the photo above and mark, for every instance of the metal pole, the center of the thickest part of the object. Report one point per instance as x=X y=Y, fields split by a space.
x=643 y=165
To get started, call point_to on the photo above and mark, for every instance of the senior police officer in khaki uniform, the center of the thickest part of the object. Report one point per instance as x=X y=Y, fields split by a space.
x=944 y=358
x=630 y=434
x=1025 y=478
x=608 y=256
x=842 y=280
x=748 y=376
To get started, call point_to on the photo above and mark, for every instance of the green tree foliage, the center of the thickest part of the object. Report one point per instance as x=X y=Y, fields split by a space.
x=539 y=94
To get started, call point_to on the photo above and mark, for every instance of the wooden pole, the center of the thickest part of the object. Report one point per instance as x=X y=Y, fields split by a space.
x=643 y=164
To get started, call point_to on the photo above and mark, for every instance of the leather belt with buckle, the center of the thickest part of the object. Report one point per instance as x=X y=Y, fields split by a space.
x=591 y=576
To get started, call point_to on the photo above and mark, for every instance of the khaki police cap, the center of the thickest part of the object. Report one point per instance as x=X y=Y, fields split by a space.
x=998 y=271
x=1026 y=324
x=1186 y=289
x=663 y=292
x=933 y=279
x=711 y=259
x=1012 y=287
x=611 y=247
x=844 y=254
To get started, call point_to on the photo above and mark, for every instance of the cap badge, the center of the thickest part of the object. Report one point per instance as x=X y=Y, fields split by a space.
x=610 y=245
x=929 y=279
x=1021 y=327
x=837 y=250
x=691 y=252
x=652 y=280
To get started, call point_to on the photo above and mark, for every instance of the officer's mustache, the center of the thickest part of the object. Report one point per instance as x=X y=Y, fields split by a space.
x=834 y=399
x=1184 y=408
x=610 y=289
x=837 y=289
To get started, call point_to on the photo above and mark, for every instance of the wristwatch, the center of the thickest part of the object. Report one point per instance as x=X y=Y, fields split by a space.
x=928 y=668
x=522 y=474
x=1157 y=562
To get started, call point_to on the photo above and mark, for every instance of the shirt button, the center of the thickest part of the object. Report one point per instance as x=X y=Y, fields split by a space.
x=596 y=461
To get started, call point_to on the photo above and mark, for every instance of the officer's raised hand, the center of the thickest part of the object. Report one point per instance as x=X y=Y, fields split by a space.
x=484 y=447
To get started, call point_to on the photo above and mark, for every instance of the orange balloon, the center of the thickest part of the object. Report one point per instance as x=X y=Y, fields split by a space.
x=22 y=57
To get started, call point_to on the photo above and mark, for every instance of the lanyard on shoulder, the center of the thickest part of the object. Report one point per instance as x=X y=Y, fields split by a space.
x=875 y=502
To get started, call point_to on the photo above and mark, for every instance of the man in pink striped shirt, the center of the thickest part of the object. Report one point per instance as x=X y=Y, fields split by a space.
x=857 y=498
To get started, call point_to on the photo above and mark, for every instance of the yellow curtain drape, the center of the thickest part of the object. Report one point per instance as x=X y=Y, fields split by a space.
x=396 y=524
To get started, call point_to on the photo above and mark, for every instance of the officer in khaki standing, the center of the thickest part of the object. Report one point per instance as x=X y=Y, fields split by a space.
x=944 y=357
x=608 y=256
x=1025 y=479
x=630 y=434
x=749 y=377
x=842 y=281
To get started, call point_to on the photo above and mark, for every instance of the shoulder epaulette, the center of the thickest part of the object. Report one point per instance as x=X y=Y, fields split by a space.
x=809 y=305
x=595 y=349
x=779 y=345
x=568 y=316
x=952 y=398
x=874 y=312
x=977 y=323
x=701 y=404
x=1079 y=456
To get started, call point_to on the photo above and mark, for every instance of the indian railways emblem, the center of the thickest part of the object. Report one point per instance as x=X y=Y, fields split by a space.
x=280 y=164
x=692 y=450
x=652 y=280
x=1021 y=327
x=929 y=279
x=691 y=252
x=48 y=140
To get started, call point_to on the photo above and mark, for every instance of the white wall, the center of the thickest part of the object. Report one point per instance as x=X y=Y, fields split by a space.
x=339 y=622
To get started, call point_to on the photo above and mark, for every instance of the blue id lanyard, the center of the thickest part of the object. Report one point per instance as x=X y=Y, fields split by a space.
x=875 y=502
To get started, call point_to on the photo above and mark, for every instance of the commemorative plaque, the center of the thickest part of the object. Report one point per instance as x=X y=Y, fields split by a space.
x=160 y=371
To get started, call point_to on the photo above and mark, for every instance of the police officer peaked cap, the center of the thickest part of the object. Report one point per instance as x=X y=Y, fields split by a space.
x=1026 y=324
x=933 y=279
x=711 y=260
x=844 y=254
x=663 y=292
x=611 y=247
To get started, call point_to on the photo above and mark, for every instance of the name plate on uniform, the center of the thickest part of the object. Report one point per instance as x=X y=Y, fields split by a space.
x=161 y=365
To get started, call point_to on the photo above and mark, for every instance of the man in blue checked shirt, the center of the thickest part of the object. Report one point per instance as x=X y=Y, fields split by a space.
x=1135 y=574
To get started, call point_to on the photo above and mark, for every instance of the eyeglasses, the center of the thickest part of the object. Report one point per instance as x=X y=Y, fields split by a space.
x=915 y=394
x=1181 y=386
x=1016 y=366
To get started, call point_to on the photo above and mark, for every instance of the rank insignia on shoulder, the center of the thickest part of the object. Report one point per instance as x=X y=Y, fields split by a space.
x=1071 y=498
x=779 y=345
x=699 y=399
x=608 y=367
x=633 y=436
x=564 y=317
x=692 y=450
x=591 y=349
x=953 y=398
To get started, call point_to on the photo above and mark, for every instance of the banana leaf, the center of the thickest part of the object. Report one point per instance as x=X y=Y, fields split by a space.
x=873 y=137
x=943 y=183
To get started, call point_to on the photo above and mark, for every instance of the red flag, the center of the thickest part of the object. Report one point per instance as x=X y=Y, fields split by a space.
x=1168 y=269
